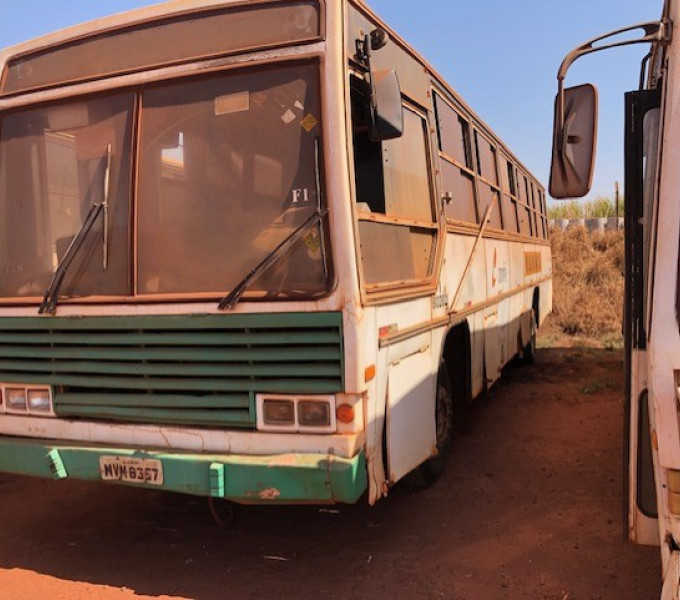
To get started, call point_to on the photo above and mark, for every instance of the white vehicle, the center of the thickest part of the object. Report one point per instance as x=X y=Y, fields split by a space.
x=252 y=250
x=652 y=302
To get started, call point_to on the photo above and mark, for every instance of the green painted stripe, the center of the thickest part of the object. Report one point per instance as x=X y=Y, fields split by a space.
x=217 y=338
x=163 y=354
x=154 y=400
x=300 y=478
x=164 y=323
x=232 y=417
x=186 y=370
x=318 y=386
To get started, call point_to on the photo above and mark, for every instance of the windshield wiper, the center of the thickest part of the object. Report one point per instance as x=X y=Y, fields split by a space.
x=51 y=298
x=228 y=302
x=49 y=303
x=231 y=300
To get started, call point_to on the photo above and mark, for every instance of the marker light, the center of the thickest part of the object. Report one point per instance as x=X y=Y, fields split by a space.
x=345 y=414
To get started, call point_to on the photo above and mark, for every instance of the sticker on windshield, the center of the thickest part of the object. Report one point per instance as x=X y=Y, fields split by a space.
x=299 y=105
x=309 y=123
x=313 y=241
x=232 y=103
x=288 y=117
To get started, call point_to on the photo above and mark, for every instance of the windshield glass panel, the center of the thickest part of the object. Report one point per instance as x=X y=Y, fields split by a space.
x=53 y=168
x=227 y=171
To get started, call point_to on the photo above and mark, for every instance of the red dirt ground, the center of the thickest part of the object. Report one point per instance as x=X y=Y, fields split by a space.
x=530 y=507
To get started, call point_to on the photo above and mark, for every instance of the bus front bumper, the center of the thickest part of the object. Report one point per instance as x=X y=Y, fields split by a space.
x=282 y=479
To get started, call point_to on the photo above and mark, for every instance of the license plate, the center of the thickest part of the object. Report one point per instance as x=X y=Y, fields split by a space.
x=131 y=470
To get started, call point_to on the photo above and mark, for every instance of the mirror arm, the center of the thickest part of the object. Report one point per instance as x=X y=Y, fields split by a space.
x=369 y=69
x=643 y=70
x=655 y=31
x=368 y=76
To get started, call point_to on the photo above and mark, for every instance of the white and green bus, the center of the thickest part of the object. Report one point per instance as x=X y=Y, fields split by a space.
x=253 y=251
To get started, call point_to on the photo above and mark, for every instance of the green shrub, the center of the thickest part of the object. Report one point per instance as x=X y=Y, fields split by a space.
x=575 y=209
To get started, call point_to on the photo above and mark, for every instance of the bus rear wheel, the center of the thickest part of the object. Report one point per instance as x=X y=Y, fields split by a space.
x=433 y=467
x=529 y=351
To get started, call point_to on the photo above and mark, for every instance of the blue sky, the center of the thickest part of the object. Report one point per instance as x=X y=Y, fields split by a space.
x=501 y=56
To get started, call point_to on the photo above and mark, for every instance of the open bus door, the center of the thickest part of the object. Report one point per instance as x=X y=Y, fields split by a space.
x=574 y=141
x=641 y=151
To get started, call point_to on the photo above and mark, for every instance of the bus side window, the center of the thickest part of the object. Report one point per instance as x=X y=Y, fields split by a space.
x=533 y=202
x=392 y=177
x=393 y=188
x=544 y=219
x=509 y=198
x=455 y=154
x=488 y=188
x=523 y=212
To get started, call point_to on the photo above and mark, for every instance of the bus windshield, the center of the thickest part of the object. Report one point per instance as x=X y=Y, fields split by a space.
x=202 y=179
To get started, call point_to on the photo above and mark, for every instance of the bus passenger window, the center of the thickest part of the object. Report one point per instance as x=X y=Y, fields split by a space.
x=523 y=211
x=509 y=198
x=489 y=193
x=456 y=163
x=392 y=181
x=407 y=172
x=392 y=177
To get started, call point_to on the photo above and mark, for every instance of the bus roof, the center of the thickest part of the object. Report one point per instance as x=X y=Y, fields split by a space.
x=394 y=36
x=180 y=7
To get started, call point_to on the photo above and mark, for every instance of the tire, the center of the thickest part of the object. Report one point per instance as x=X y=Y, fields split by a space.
x=427 y=473
x=529 y=351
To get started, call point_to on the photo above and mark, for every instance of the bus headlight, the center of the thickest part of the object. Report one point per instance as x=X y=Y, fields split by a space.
x=278 y=412
x=291 y=414
x=26 y=399
x=312 y=413
x=16 y=399
x=39 y=400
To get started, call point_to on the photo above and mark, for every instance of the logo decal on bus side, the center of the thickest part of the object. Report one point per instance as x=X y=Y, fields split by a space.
x=499 y=275
x=441 y=300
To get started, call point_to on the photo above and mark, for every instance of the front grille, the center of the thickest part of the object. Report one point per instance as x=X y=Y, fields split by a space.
x=191 y=370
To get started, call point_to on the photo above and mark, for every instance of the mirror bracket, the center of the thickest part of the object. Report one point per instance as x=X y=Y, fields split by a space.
x=374 y=41
x=654 y=31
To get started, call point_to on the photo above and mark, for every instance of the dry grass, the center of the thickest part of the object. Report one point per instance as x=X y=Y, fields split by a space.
x=588 y=285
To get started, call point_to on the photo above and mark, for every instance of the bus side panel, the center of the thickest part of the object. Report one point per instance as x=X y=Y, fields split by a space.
x=411 y=434
x=496 y=316
x=476 y=323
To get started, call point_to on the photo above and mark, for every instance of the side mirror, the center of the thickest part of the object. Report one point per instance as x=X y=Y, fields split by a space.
x=387 y=113
x=574 y=141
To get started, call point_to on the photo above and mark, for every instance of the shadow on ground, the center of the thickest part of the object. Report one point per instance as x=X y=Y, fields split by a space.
x=530 y=507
